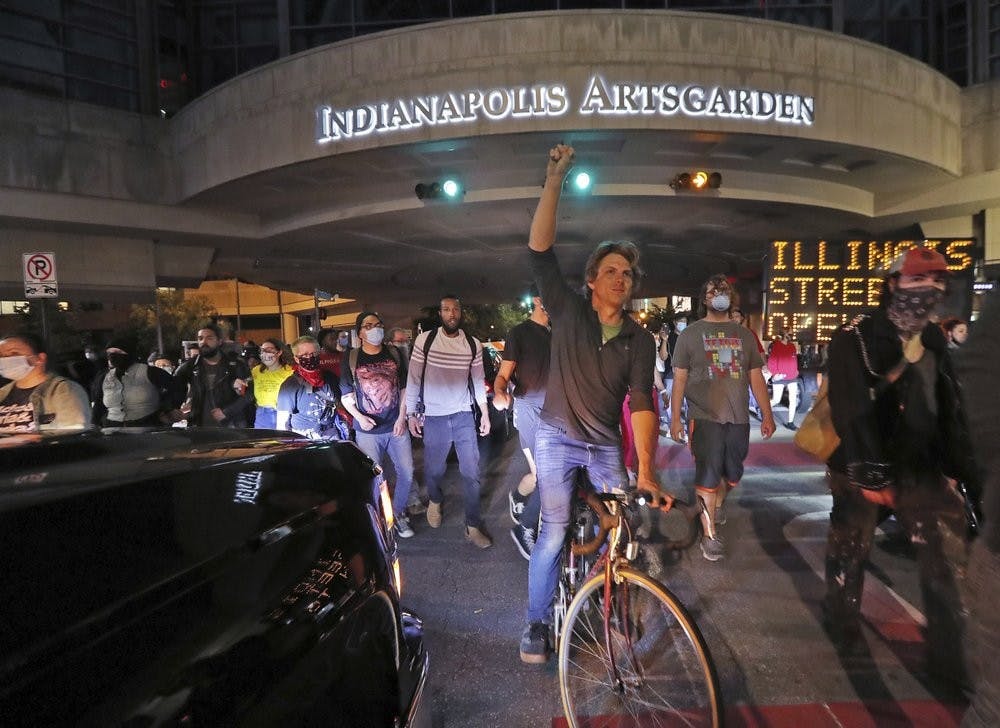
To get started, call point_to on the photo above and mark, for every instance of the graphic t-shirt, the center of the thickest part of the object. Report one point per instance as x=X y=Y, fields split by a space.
x=266 y=384
x=16 y=411
x=718 y=357
x=376 y=384
x=529 y=346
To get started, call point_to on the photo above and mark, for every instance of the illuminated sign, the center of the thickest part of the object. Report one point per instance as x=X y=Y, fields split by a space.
x=815 y=287
x=600 y=97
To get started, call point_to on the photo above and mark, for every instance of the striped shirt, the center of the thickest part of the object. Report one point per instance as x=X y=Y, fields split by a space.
x=446 y=379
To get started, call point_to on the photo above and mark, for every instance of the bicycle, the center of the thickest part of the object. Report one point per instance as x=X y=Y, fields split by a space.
x=629 y=652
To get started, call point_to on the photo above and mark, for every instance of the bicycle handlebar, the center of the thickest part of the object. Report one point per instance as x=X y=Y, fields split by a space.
x=605 y=519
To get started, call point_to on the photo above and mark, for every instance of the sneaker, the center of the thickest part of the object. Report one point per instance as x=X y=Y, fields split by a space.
x=433 y=514
x=416 y=506
x=476 y=536
x=524 y=539
x=516 y=502
x=535 y=643
x=791 y=426
x=403 y=529
x=712 y=548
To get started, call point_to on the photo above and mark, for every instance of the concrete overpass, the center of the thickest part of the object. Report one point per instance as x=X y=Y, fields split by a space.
x=301 y=174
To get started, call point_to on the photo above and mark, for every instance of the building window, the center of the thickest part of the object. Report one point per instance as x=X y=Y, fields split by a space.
x=79 y=50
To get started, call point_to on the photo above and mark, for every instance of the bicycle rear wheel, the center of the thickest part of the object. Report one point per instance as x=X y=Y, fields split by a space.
x=665 y=675
x=573 y=570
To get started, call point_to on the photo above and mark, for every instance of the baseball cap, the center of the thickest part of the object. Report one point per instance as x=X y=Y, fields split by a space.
x=918 y=261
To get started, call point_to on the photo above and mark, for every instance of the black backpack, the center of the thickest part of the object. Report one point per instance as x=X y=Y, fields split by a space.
x=427 y=347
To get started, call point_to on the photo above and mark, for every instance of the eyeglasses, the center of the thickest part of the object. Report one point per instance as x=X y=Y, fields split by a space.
x=268 y=351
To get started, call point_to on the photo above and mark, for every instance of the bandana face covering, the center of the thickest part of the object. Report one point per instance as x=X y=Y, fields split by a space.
x=911 y=307
x=308 y=368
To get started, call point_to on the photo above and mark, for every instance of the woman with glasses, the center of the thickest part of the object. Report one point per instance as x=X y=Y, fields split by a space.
x=267 y=379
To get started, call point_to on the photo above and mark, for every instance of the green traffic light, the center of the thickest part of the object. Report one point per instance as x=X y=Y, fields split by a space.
x=581 y=180
x=451 y=188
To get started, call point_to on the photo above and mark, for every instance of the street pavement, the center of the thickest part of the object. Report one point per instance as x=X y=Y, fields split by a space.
x=758 y=608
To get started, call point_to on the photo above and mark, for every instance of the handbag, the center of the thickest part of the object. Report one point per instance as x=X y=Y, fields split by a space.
x=816 y=435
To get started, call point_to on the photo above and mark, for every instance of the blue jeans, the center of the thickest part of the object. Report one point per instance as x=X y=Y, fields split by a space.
x=557 y=458
x=266 y=418
x=400 y=452
x=439 y=434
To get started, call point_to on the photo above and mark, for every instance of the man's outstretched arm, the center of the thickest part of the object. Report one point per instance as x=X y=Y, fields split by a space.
x=543 y=224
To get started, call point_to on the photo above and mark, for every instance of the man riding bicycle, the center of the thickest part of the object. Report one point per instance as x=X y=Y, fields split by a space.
x=598 y=355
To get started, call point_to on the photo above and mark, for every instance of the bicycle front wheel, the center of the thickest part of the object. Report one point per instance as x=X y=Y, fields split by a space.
x=657 y=672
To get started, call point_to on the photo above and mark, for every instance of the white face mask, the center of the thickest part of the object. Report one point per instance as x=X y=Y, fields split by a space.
x=681 y=325
x=15 y=368
x=720 y=302
x=268 y=358
x=375 y=336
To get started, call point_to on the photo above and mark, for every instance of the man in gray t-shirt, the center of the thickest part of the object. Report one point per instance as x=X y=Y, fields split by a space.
x=716 y=362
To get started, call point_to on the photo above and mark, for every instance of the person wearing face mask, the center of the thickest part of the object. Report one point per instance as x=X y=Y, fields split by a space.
x=373 y=390
x=957 y=332
x=716 y=363
x=268 y=377
x=131 y=393
x=33 y=399
x=665 y=353
x=904 y=443
x=308 y=400
x=217 y=385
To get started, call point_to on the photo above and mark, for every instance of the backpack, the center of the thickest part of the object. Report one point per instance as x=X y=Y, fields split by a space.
x=427 y=347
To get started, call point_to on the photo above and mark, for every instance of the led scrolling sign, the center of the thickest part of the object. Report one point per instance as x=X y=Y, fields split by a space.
x=600 y=98
x=816 y=287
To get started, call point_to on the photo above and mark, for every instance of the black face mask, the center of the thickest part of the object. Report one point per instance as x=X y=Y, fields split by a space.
x=208 y=351
x=118 y=361
x=309 y=362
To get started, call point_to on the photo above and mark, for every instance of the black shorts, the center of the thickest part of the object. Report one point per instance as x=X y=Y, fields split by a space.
x=719 y=451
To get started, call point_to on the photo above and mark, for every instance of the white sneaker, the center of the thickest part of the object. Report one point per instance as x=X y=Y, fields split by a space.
x=403 y=529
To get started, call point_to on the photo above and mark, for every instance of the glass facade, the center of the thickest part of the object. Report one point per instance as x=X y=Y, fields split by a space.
x=110 y=52
x=85 y=51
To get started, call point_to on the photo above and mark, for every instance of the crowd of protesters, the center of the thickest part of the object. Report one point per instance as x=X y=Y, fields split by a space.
x=894 y=382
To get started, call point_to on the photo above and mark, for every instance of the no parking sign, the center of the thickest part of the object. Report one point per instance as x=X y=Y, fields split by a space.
x=40 y=275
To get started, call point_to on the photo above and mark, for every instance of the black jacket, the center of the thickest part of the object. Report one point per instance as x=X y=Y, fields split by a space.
x=877 y=445
x=238 y=408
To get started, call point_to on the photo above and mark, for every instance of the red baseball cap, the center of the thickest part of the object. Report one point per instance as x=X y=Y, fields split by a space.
x=918 y=261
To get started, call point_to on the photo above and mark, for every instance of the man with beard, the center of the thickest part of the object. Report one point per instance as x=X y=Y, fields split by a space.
x=896 y=406
x=308 y=400
x=133 y=394
x=217 y=385
x=444 y=382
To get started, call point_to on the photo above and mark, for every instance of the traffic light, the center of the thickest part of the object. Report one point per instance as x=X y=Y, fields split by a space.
x=578 y=181
x=698 y=181
x=446 y=189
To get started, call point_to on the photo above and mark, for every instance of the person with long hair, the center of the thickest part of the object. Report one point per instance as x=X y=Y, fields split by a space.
x=267 y=378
